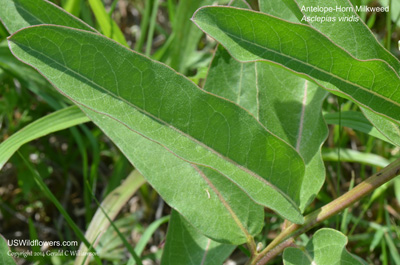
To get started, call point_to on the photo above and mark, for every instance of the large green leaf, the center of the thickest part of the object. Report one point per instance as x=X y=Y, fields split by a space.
x=355 y=37
x=288 y=105
x=18 y=14
x=56 y=121
x=291 y=107
x=307 y=130
x=359 y=41
x=233 y=80
x=327 y=246
x=234 y=227
x=370 y=83
x=210 y=202
x=156 y=102
x=184 y=245
x=295 y=117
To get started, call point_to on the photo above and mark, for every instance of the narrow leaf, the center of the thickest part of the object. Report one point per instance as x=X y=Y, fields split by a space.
x=165 y=107
x=355 y=120
x=327 y=246
x=73 y=7
x=349 y=155
x=47 y=192
x=370 y=83
x=185 y=245
x=54 y=122
x=107 y=24
x=146 y=236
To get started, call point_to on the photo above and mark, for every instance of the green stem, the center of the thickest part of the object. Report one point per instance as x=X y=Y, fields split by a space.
x=290 y=233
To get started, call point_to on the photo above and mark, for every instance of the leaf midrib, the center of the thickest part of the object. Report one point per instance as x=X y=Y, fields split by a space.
x=224 y=203
x=302 y=116
x=248 y=171
x=310 y=65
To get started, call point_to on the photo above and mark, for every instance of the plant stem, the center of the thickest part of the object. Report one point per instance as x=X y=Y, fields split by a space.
x=290 y=233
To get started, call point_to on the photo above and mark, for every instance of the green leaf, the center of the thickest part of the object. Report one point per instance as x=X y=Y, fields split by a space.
x=284 y=9
x=259 y=87
x=290 y=107
x=156 y=102
x=146 y=236
x=198 y=195
x=389 y=129
x=233 y=80
x=185 y=245
x=5 y=258
x=172 y=170
x=356 y=38
x=306 y=131
x=29 y=77
x=349 y=155
x=327 y=246
x=18 y=14
x=370 y=83
x=53 y=122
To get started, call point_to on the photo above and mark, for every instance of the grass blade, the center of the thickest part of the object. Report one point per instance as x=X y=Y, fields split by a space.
x=107 y=24
x=111 y=205
x=58 y=205
x=56 y=121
